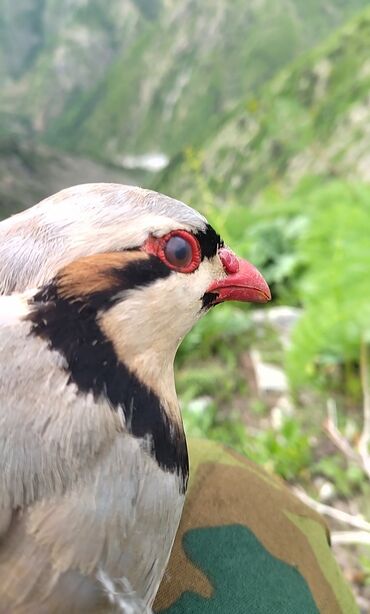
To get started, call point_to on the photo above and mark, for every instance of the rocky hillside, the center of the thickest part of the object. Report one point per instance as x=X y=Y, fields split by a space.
x=106 y=81
x=51 y=52
x=312 y=120
x=183 y=67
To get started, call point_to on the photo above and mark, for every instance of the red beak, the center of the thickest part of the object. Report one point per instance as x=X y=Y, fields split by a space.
x=243 y=282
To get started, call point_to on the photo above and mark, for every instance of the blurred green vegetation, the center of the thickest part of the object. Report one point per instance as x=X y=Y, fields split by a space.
x=314 y=250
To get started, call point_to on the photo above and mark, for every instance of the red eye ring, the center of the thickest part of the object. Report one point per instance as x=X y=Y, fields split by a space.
x=157 y=247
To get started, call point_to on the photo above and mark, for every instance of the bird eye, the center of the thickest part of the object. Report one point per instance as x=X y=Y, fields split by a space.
x=178 y=252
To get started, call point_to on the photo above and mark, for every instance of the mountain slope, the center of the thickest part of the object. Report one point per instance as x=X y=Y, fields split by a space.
x=187 y=68
x=313 y=119
x=51 y=51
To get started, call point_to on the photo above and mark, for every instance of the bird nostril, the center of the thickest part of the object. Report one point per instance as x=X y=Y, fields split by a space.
x=229 y=261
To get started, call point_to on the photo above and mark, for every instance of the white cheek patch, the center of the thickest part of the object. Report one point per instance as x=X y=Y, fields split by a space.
x=153 y=319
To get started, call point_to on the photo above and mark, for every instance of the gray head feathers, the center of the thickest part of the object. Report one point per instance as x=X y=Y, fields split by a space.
x=82 y=220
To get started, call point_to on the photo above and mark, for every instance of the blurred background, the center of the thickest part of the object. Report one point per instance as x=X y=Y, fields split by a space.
x=258 y=114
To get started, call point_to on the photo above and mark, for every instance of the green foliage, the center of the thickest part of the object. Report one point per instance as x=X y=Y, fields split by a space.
x=285 y=451
x=214 y=380
x=347 y=479
x=225 y=331
x=272 y=243
x=314 y=248
x=334 y=290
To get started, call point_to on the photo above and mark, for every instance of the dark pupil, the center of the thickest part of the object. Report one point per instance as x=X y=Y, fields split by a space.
x=178 y=251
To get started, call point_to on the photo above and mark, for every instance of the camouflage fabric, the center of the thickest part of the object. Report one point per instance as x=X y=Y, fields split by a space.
x=246 y=545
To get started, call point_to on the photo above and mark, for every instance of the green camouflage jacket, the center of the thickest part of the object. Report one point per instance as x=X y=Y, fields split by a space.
x=247 y=545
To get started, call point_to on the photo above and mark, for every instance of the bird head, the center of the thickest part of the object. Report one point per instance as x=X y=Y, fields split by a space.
x=148 y=265
x=150 y=296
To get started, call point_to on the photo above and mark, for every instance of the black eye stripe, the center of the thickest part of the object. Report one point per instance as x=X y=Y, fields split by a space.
x=209 y=242
x=138 y=273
